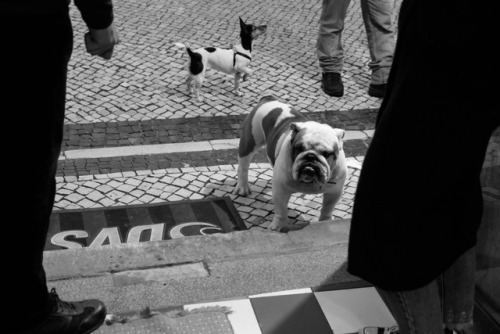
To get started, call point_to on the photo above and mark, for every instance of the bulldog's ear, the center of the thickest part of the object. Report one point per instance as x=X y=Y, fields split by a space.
x=340 y=134
x=296 y=126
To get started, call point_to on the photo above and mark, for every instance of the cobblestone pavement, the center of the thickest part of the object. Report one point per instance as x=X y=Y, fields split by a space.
x=138 y=99
x=174 y=184
x=145 y=78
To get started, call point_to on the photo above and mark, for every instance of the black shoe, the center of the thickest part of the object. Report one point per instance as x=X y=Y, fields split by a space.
x=331 y=83
x=377 y=90
x=82 y=317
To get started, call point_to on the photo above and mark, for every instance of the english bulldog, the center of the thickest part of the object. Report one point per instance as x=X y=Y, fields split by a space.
x=307 y=157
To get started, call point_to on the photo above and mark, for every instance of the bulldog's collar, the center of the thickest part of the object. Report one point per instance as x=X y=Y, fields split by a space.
x=329 y=182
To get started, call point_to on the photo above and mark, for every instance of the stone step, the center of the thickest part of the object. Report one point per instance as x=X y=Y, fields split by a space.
x=206 y=268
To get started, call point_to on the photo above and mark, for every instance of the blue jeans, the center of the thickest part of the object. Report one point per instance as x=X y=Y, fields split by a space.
x=381 y=43
x=446 y=302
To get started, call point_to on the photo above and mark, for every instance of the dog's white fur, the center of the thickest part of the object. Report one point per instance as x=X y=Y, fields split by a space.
x=285 y=174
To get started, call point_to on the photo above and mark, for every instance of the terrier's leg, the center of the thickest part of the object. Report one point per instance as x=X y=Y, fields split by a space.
x=237 y=77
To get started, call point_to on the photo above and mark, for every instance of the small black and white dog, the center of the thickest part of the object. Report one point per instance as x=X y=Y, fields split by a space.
x=231 y=61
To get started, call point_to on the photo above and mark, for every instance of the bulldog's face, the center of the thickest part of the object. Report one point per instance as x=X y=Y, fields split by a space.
x=315 y=148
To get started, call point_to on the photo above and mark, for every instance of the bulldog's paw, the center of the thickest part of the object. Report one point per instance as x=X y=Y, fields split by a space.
x=245 y=77
x=242 y=189
x=278 y=226
x=287 y=227
x=325 y=217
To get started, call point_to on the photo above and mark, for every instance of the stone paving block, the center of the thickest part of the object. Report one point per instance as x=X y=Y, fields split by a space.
x=174 y=198
x=95 y=196
x=184 y=193
x=180 y=182
x=145 y=199
x=84 y=190
x=350 y=135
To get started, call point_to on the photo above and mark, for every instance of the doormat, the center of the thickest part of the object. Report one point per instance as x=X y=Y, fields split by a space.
x=211 y=320
x=141 y=223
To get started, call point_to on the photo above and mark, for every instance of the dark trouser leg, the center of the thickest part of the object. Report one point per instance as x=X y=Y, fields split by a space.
x=35 y=51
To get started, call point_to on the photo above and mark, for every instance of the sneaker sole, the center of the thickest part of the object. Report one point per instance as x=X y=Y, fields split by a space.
x=93 y=329
x=96 y=325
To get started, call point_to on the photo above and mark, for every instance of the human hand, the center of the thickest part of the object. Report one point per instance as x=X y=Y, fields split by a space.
x=101 y=42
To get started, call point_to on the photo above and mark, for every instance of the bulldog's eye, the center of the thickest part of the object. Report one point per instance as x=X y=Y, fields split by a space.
x=328 y=154
x=300 y=147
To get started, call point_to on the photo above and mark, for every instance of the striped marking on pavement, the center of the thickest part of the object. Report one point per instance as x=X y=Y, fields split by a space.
x=197 y=146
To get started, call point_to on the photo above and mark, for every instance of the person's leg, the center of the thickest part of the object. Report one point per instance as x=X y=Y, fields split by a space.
x=38 y=42
x=447 y=301
x=457 y=289
x=329 y=45
x=381 y=43
x=37 y=51
x=416 y=311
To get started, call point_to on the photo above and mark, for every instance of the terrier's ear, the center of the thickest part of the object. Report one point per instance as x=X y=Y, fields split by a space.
x=242 y=24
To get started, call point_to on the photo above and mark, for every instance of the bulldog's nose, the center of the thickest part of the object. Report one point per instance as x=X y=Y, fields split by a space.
x=310 y=156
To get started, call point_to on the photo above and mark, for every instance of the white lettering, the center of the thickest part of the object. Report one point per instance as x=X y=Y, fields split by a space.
x=59 y=239
x=134 y=235
x=109 y=233
x=175 y=232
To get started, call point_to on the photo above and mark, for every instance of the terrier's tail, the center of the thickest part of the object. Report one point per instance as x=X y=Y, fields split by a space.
x=195 y=64
x=180 y=45
x=186 y=47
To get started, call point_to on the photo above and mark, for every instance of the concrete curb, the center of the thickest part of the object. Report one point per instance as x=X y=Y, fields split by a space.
x=254 y=243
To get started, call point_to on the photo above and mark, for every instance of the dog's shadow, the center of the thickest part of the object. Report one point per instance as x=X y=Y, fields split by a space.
x=219 y=91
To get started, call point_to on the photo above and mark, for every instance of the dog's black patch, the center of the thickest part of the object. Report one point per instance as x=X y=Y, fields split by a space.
x=246 y=35
x=196 y=65
x=246 y=38
x=274 y=131
x=248 y=147
x=210 y=49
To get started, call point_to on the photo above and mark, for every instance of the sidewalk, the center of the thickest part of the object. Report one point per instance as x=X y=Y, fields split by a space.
x=228 y=269
x=133 y=136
